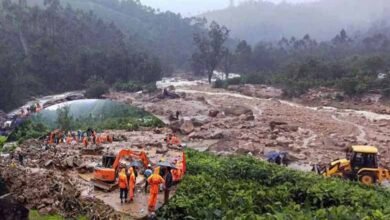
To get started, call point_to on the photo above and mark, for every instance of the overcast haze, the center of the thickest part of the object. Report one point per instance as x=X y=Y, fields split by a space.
x=194 y=7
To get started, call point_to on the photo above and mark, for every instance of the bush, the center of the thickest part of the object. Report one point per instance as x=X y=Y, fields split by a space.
x=27 y=131
x=245 y=188
x=130 y=86
x=96 y=88
x=254 y=79
x=2 y=141
x=234 y=81
x=220 y=84
x=151 y=87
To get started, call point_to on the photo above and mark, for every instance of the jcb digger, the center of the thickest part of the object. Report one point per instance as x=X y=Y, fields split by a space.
x=361 y=164
x=105 y=177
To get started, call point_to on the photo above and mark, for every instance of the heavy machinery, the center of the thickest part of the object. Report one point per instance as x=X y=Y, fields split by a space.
x=362 y=164
x=105 y=177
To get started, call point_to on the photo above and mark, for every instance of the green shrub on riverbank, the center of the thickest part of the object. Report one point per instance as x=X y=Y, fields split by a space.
x=246 y=188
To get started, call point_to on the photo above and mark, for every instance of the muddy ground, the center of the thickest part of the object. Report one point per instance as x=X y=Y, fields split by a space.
x=238 y=121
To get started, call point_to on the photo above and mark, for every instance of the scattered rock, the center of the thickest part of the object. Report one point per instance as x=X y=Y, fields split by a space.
x=213 y=113
x=237 y=110
x=187 y=127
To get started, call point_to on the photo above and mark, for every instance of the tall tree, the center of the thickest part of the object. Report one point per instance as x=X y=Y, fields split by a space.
x=210 y=48
x=227 y=62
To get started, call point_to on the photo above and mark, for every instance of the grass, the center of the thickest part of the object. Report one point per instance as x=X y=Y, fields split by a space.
x=34 y=215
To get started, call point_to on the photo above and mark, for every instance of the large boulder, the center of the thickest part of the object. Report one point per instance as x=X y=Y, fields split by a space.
x=187 y=127
x=200 y=121
x=213 y=113
x=238 y=110
x=175 y=126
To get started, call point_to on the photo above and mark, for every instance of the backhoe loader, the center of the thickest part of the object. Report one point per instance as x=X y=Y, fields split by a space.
x=362 y=164
x=105 y=177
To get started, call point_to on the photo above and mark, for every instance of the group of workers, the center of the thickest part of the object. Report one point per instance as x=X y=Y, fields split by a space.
x=72 y=137
x=34 y=108
x=160 y=176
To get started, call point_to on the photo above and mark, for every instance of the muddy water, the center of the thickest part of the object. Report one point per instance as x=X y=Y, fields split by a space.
x=46 y=99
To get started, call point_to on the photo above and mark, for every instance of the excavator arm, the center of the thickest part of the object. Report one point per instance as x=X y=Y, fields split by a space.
x=126 y=152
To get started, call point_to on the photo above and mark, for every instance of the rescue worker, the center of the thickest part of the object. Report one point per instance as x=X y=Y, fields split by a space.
x=85 y=141
x=168 y=139
x=132 y=183
x=79 y=135
x=154 y=181
x=51 y=138
x=69 y=139
x=123 y=184
x=148 y=172
x=175 y=140
x=94 y=137
x=168 y=184
x=176 y=173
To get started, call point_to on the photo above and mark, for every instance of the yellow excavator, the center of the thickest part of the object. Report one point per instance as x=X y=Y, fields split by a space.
x=361 y=164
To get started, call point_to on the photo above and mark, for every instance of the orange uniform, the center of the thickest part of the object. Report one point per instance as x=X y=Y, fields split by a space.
x=154 y=181
x=131 y=183
x=175 y=140
x=51 y=139
x=85 y=141
x=176 y=174
x=69 y=140
x=122 y=180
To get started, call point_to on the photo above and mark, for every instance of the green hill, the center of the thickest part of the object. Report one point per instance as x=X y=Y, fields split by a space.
x=165 y=34
x=259 y=20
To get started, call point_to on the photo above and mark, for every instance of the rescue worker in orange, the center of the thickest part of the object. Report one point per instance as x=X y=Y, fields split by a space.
x=132 y=182
x=176 y=173
x=175 y=140
x=154 y=181
x=123 y=185
x=51 y=138
x=85 y=141
x=69 y=139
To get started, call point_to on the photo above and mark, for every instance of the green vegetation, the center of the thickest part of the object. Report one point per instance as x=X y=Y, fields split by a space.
x=34 y=215
x=132 y=86
x=2 y=141
x=28 y=130
x=54 y=48
x=246 y=188
x=297 y=65
x=96 y=88
x=81 y=115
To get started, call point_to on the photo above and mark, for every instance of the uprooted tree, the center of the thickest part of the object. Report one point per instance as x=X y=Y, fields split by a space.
x=210 y=49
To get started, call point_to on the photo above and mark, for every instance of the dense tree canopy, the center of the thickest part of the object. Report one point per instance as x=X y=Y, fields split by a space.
x=54 y=48
x=351 y=64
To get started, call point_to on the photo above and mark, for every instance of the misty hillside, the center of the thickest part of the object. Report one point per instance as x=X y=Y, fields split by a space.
x=264 y=21
x=165 y=34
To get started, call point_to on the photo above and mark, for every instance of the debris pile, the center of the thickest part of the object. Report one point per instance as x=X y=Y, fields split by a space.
x=50 y=192
x=260 y=91
x=50 y=156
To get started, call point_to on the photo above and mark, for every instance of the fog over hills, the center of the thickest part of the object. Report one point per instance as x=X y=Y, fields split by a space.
x=263 y=20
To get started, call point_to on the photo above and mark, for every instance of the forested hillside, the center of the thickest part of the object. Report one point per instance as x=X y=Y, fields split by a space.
x=165 y=34
x=355 y=65
x=262 y=20
x=53 y=48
